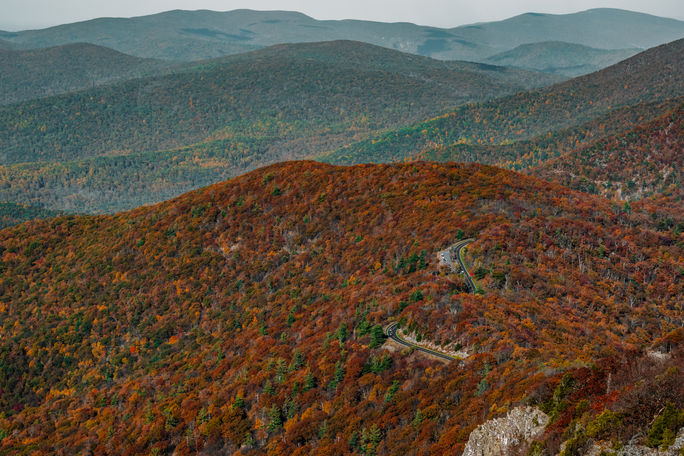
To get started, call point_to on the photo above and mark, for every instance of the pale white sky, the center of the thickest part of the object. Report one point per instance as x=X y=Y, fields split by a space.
x=25 y=14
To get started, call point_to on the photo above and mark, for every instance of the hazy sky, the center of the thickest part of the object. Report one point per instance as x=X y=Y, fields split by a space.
x=24 y=14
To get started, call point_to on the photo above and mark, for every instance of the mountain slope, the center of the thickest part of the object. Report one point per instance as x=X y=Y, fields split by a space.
x=194 y=35
x=218 y=118
x=247 y=315
x=26 y=75
x=6 y=45
x=558 y=57
x=528 y=154
x=652 y=76
x=190 y=106
x=13 y=214
x=648 y=160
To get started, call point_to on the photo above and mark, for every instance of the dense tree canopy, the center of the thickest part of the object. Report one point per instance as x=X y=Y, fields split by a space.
x=242 y=316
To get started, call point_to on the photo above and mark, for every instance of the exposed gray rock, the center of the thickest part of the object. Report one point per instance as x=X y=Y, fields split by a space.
x=500 y=436
x=637 y=450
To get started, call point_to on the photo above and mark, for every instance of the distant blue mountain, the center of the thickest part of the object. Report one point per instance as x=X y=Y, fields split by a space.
x=194 y=35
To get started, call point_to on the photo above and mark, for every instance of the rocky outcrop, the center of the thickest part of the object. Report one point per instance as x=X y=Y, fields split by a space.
x=502 y=436
x=675 y=449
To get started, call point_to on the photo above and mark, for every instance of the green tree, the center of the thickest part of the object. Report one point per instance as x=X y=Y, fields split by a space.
x=309 y=381
x=276 y=419
x=341 y=333
x=665 y=426
x=377 y=336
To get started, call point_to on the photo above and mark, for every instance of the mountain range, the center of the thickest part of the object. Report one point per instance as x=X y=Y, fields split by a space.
x=145 y=140
x=216 y=119
x=492 y=261
x=632 y=85
x=195 y=35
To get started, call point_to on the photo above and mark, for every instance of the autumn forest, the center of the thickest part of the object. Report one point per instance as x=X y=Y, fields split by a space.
x=210 y=256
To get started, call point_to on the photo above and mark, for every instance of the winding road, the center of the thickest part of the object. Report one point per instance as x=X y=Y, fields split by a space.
x=446 y=256
x=459 y=251
x=392 y=334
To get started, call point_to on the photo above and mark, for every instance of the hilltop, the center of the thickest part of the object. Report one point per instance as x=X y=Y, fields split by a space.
x=144 y=140
x=195 y=35
x=247 y=316
x=25 y=75
x=603 y=28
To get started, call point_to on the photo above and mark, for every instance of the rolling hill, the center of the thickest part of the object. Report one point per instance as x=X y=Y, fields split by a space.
x=603 y=28
x=218 y=118
x=195 y=35
x=557 y=57
x=651 y=77
x=25 y=75
x=247 y=316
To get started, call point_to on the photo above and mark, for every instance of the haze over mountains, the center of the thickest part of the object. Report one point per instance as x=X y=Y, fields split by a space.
x=146 y=140
x=168 y=128
x=219 y=118
x=194 y=35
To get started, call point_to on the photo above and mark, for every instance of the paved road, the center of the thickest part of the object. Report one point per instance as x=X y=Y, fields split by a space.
x=458 y=249
x=447 y=256
x=392 y=334
x=453 y=257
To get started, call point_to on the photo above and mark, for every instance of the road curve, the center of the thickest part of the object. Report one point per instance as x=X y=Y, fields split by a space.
x=447 y=257
x=459 y=248
x=392 y=334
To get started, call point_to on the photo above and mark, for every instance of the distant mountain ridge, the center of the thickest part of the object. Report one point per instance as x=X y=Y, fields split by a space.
x=38 y=73
x=655 y=75
x=194 y=35
x=149 y=139
x=558 y=57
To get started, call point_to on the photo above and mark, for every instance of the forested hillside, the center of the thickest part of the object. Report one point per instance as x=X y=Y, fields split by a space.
x=528 y=154
x=247 y=316
x=645 y=162
x=6 y=45
x=652 y=76
x=145 y=140
x=281 y=86
x=25 y=75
